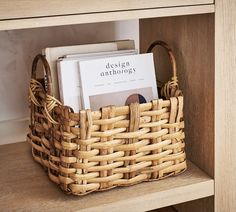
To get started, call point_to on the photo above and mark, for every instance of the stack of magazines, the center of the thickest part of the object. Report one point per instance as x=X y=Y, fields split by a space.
x=91 y=76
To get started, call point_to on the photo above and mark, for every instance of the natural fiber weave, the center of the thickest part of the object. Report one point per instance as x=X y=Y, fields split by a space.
x=116 y=146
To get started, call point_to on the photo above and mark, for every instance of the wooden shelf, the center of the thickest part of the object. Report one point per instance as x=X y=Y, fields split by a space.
x=27 y=9
x=25 y=186
x=32 y=15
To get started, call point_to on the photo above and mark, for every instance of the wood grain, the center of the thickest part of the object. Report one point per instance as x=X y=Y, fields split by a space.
x=225 y=106
x=15 y=9
x=192 y=40
x=104 y=16
x=192 y=33
x=200 y=205
x=166 y=209
x=25 y=187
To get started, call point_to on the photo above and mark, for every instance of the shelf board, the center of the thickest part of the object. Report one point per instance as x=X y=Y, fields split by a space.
x=69 y=19
x=25 y=186
x=16 y=9
x=166 y=209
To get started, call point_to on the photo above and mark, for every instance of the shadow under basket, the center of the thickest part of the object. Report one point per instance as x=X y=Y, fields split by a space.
x=115 y=146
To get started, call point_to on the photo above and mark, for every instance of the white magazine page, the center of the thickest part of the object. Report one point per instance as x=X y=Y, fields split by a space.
x=95 y=55
x=69 y=77
x=122 y=78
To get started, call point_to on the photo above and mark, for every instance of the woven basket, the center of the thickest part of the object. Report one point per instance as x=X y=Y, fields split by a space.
x=116 y=146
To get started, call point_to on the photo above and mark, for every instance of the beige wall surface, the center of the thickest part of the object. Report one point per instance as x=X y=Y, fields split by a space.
x=17 y=49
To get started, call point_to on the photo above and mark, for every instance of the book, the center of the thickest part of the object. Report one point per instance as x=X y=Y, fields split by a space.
x=53 y=53
x=69 y=76
x=117 y=80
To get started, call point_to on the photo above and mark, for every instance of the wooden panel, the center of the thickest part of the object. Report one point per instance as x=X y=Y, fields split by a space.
x=166 y=209
x=225 y=106
x=29 y=8
x=103 y=17
x=26 y=187
x=200 y=205
x=192 y=40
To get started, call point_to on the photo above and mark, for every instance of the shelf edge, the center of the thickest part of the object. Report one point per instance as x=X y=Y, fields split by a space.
x=104 y=17
x=160 y=199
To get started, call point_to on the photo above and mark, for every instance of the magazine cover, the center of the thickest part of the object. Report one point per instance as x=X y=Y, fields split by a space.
x=69 y=78
x=118 y=80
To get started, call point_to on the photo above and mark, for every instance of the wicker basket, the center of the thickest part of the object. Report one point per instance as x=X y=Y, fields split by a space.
x=116 y=146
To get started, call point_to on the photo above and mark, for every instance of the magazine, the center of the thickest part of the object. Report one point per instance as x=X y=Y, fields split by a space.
x=69 y=76
x=117 y=80
x=53 y=53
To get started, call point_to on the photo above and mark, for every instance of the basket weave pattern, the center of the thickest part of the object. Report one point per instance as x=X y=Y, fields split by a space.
x=99 y=150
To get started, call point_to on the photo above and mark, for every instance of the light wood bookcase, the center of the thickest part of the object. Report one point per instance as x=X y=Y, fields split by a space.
x=202 y=34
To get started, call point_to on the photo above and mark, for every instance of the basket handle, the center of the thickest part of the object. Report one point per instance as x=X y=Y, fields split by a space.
x=171 y=88
x=47 y=69
x=170 y=54
x=49 y=102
